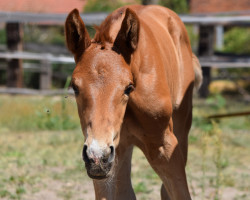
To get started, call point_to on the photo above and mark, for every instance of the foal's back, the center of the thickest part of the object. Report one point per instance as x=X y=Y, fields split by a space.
x=172 y=45
x=163 y=47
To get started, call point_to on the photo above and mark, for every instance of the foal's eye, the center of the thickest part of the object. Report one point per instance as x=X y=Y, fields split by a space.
x=75 y=88
x=129 y=89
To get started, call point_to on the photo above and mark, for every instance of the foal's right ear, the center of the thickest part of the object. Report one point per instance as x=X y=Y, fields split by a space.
x=77 y=37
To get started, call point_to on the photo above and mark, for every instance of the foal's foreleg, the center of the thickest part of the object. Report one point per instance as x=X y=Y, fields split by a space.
x=164 y=193
x=118 y=186
x=103 y=190
x=124 y=190
x=169 y=164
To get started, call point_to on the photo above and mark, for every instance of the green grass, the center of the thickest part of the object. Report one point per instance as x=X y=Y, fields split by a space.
x=41 y=162
x=20 y=113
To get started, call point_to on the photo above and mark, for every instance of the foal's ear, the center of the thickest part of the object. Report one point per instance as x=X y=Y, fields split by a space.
x=77 y=37
x=128 y=36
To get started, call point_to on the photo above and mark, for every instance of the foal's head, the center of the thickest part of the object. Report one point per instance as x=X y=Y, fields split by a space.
x=102 y=82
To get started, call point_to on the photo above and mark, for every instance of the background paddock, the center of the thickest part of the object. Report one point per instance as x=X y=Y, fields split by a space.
x=40 y=136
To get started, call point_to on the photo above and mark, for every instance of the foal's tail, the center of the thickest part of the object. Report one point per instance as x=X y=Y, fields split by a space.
x=198 y=72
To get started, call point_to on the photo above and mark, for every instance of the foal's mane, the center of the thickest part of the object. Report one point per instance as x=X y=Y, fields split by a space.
x=102 y=32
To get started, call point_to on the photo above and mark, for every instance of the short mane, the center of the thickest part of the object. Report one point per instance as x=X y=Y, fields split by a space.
x=102 y=32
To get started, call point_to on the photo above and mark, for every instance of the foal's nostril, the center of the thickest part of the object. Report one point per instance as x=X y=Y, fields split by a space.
x=105 y=158
x=112 y=154
x=84 y=153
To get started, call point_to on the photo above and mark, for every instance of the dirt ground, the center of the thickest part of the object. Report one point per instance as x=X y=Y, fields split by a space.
x=41 y=164
x=34 y=166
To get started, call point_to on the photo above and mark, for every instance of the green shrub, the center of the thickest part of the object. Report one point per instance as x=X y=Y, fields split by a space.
x=102 y=6
x=237 y=40
x=44 y=34
x=179 y=6
x=2 y=36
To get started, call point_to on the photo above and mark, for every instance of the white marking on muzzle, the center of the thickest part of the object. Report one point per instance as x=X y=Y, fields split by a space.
x=95 y=150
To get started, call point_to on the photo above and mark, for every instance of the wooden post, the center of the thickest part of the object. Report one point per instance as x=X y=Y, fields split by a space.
x=14 y=33
x=219 y=29
x=205 y=48
x=45 y=75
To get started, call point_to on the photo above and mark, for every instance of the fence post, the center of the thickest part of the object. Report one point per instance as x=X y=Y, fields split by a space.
x=14 y=35
x=45 y=75
x=219 y=29
x=206 y=43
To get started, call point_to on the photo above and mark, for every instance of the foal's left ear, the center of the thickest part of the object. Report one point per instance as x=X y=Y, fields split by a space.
x=128 y=36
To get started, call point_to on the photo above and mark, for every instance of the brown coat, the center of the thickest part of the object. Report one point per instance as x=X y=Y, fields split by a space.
x=134 y=83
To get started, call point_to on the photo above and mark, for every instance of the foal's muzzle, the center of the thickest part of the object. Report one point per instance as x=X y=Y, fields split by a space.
x=98 y=164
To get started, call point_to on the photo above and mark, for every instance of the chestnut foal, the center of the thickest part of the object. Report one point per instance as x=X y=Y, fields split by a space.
x=133 y=85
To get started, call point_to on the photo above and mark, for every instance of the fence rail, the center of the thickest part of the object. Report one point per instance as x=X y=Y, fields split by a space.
x=89 y=19
x=97 y=18
x=214 y=61
x=36 y=56
x=224 y=61
x=26 y=91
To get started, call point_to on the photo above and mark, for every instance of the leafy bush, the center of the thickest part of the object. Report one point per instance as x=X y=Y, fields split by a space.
x=102 y=6
x=193 y=37
x=2 y=36
x=179 y=6
x=44 y=34
x=237 y=40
